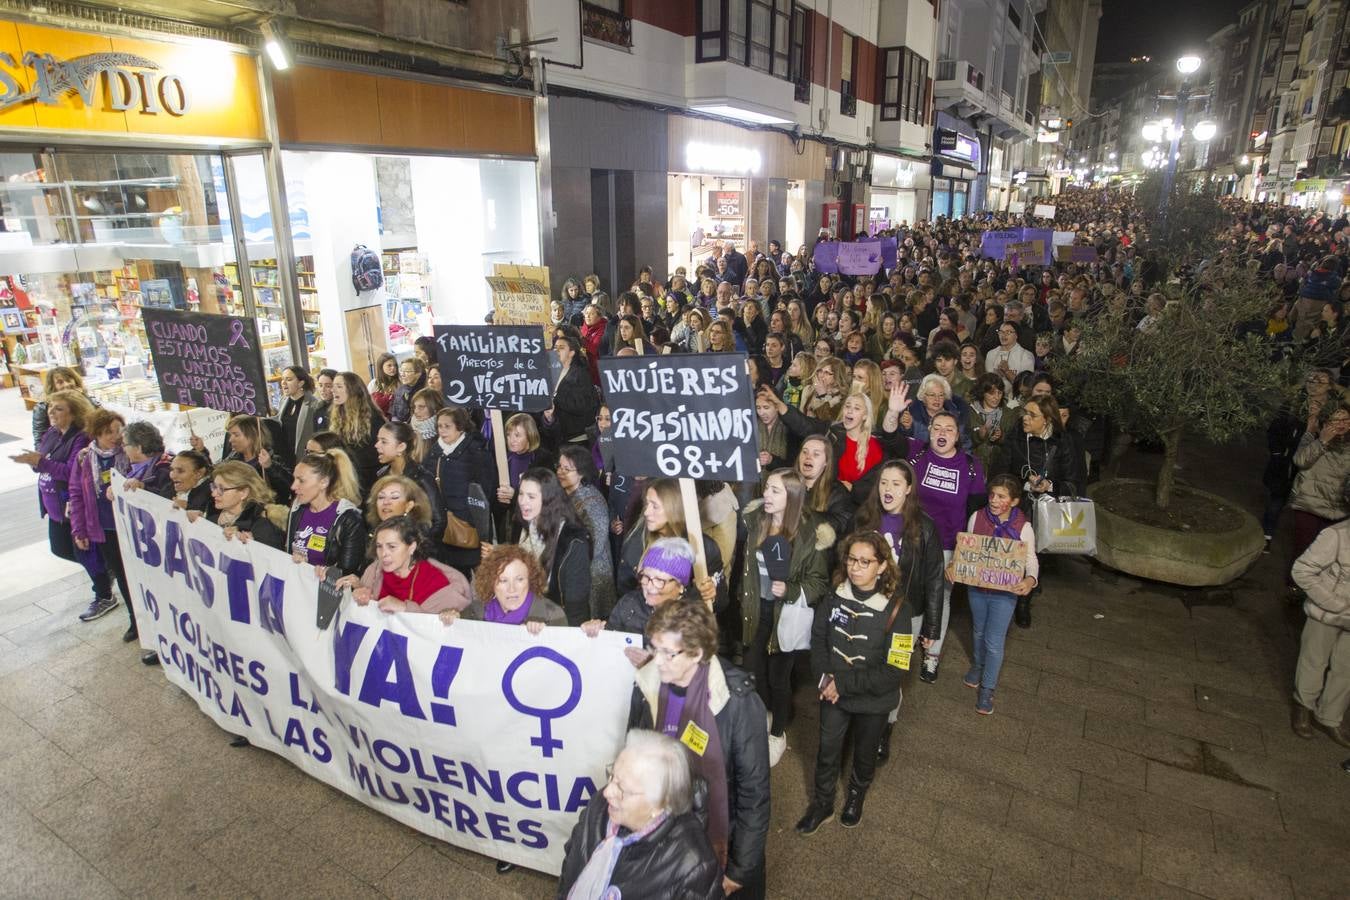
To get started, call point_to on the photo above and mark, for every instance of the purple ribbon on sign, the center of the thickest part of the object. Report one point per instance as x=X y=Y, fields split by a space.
x=237 y=334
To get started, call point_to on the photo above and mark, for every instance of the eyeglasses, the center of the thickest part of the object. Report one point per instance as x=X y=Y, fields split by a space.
x=565 y=470
x=655 y=581
x=668 y=655
x=222 y=489
x=855 y=562
x=618 y=788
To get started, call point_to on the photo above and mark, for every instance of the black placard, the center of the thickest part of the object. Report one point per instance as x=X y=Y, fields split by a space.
x=206 y=360
x=495 y=366
x=682 y=416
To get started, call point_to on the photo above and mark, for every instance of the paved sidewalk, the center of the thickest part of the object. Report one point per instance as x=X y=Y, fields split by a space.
x=1140 y=747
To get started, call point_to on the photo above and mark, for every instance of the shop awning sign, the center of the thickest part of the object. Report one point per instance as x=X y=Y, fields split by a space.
x=130 y=83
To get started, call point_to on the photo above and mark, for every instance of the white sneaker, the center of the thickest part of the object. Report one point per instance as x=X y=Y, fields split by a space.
x=776 y=747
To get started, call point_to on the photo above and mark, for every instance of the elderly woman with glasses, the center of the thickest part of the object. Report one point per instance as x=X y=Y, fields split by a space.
x=934 y=396
x=641 y=836
x=712 y=708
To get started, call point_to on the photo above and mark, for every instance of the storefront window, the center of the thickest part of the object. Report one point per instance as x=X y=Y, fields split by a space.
x=89 y=239
x=439 y=225
x=942 y=197
x=704 y=212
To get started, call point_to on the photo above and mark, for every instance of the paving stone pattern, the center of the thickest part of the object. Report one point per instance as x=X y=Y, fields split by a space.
x=1140 y=748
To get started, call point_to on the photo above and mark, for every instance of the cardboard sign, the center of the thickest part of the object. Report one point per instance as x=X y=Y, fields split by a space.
x=1044 y=211
x=495 y=366
x=518 y=301
x=207 y=360
x=682 y=416
x=995 y=564
x=1026 y=251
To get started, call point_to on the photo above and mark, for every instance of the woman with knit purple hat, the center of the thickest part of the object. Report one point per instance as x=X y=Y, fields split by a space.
x=663 y=575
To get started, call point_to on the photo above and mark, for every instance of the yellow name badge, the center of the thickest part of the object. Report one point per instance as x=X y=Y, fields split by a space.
x=316 y=542
x=106 y=476
x=899 y=658
x=903 y=642
x=694 y=738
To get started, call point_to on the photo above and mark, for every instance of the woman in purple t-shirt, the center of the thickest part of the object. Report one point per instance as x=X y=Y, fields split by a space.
x=326 y=527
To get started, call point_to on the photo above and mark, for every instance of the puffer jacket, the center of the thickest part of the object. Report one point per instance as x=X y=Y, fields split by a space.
x=808 y=571
x=84 y=491
x=674 y=862
x=1322 y=472
x=852 y=641
x=743 y=730
x=1324 y=572
x=346 y=544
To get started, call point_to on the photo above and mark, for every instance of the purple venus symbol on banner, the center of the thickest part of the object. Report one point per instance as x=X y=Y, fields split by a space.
x=546 y=742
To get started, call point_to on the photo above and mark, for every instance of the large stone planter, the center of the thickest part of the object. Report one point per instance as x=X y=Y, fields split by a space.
x=1189 y=558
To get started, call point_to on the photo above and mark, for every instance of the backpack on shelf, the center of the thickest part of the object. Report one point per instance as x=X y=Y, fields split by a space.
x=367 y=270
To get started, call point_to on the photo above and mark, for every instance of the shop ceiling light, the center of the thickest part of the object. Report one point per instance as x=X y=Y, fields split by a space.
x=727 y=111
x=275 y=47
x=700 y=157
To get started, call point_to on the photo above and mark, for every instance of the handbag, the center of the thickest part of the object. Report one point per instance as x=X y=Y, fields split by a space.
x=1065 y=525
x=457 y=533
x=794 y=624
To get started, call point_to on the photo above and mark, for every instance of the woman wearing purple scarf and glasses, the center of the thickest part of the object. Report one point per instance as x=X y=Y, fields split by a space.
x=510 y=586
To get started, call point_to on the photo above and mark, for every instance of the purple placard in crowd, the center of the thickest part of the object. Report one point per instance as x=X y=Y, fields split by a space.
x=994 y=243
x=862 y=258
x=890 y=247
x=826 y=257
x=1083 y=254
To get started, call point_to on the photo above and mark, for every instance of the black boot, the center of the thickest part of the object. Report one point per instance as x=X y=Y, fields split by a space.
x=853 y=807
x=817 y=814
x=1022 y=613
x=884 y=747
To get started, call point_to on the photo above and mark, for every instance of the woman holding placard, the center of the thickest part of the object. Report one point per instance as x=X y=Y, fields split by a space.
x=663 y=516
x=784 y=573
x=992 y=610
x=460 y=466
x=250 y=441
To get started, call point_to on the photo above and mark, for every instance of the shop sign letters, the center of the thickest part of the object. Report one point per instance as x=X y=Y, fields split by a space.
x=127 y=83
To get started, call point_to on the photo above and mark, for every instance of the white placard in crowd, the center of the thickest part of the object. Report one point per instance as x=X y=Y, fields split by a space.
x=475 y=733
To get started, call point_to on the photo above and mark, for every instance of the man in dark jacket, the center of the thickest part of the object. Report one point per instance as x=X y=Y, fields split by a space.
x=737 y=265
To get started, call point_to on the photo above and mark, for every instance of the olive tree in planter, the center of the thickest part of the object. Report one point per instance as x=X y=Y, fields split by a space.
x=1200 y=370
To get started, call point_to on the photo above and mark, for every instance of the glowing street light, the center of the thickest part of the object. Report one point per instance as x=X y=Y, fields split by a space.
x=1204 y=130
x=1188 y=65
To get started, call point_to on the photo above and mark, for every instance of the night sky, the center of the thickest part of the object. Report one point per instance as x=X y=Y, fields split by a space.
x=1163 y=29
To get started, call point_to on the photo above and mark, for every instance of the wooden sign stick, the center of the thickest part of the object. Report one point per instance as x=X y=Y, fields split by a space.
x=693 y=524
x=499 y=445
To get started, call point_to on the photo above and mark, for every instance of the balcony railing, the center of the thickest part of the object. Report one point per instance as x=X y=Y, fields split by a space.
x=953 y=69
x=1006 y=99
x=601 y=24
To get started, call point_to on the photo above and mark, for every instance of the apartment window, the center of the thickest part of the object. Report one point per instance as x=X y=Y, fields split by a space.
x=607 y=21
x=799 y=54
x=752 y=33
x=904 y=86
x=848 y=77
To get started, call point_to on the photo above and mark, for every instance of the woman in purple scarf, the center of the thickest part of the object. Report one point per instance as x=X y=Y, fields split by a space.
x=509 y=586
x=711 y=707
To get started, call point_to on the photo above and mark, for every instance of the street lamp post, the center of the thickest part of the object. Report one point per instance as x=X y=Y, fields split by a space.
x=1187 y=66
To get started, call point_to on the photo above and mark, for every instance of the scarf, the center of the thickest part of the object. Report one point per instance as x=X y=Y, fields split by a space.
x=988 y=525
x=772 y=440
x=711 y=764
x=593 y=882
x=516 y=464
x=533 y=542
x=493 y=611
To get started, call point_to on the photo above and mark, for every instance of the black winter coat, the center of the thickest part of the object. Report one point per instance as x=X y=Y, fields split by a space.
x=453 y=474
x=631 y=557
x=569 y=574
x=157 y=481
x=574 y=404
x=922 y=578
x=743 y=730
x=802 y=425
x=346 y=546
x=253 y=519
x=278 y=477
x=1059 y=459
x=363 y=456
x=868 y=680
x=674 y=862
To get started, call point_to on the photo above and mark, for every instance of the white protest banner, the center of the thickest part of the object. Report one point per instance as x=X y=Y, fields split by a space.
x=475 y=733
x=1044 y=211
